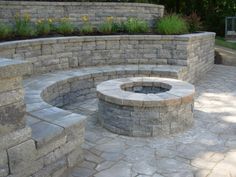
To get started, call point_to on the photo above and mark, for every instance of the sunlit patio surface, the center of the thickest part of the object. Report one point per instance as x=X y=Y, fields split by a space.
x=208 y=149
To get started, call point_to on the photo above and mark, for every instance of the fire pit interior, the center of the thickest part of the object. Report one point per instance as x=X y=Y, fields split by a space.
x=145 y=106
x=146 y=87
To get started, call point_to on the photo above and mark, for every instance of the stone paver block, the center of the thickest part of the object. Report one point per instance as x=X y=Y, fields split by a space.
x=11 y=68
x=43 y=132
x=21 y=156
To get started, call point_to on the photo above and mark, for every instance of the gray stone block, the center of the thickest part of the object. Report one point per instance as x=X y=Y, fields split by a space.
x=43 y=132
x=21 y=156
x=4 y=169
x=15 y=137
x=12 y=117
x=12 y=68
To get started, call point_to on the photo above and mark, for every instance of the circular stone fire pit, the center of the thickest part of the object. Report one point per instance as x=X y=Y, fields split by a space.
x=145 y=106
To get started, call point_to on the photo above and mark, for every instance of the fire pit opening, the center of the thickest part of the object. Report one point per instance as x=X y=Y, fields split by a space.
x=146 y=87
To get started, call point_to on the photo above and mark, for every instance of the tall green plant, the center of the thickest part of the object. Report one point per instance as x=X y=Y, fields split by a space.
x=6 y=31
x=65 y=26
x=44 y=26
x=23 y=26
x=171 y=24
x=109 y=26
x=134 y=25
x=86 y=27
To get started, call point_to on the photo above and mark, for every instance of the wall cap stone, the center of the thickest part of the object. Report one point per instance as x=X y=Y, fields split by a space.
x=111 y=91
x=13 y=68
x=51 y=40
x=80 y=3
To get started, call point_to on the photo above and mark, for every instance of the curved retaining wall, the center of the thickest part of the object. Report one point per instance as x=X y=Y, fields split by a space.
x=49 y=54
x=74 y=10
x=81 y=85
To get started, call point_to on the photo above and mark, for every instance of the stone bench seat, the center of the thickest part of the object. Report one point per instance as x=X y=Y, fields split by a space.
x=44 y=95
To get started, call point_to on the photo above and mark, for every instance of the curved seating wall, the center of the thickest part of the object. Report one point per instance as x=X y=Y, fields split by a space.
x=81 y=84
x=46 y=92
x=49 y=54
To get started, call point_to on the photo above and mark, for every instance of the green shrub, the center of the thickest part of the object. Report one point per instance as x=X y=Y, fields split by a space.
x=172 y=24
x=23 y=26
x=87 y=27
x=105 y=27
x=109 y=26
x=65 y=27
x=194 y=22
x=118 y=27
x=6 y=31
x=134 y=25
x=44 y=26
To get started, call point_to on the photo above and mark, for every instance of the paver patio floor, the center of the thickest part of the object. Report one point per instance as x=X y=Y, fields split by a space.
x=207 y=149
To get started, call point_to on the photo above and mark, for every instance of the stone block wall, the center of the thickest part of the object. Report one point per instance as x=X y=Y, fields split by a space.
x=12 y=106
x=97 y=12
x=201 y=54
x=124 y=111
x=82 y=84
x=29 y=146
x=46 y=55
x=12 y=109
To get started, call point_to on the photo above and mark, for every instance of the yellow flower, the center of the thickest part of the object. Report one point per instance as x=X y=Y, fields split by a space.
x=50 y=20
x=39 y=21
x=110 y=19
x=26 y=16
x=85 y=18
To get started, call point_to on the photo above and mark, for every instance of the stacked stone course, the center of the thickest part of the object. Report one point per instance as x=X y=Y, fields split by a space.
x=140 y=114
x=196 y=51
x=97 y=12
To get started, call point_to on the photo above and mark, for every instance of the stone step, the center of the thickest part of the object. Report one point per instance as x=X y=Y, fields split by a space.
x=226 y=56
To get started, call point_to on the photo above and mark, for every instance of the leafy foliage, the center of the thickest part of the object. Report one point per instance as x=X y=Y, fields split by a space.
x=194 y=22
x=134 y=25
x=6 y=31
x=212 y=12
x=23 y=26
x=65 y=27
x=44 y=26
x=171 y=24
x=87 y=27
x=108 y=27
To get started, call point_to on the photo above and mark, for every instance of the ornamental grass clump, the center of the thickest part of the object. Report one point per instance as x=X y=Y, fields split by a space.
x=6 y=31
x=171 y=24
x=86 y=27
x=64 y=26
x=24 y=27
x=108 y=26
x=134 y=25
x=44 y=26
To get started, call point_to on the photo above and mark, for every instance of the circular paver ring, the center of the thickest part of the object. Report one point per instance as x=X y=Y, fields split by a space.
x=140 y=114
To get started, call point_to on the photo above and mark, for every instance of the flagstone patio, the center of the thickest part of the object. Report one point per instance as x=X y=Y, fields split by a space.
x=207 y=149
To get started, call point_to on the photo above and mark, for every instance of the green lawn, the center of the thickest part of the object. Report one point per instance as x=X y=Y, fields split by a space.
x=222 y=42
